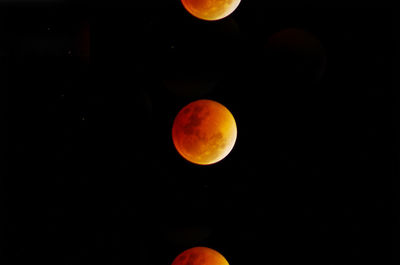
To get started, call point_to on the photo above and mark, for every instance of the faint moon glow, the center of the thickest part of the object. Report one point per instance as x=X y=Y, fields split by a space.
x=187 y=235
x=210 y=9
x=200 y=256
x=299 y=54
x=190 y=86
x=204 y=132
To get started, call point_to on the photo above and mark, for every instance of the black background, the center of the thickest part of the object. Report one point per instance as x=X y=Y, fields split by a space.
x=92 y=173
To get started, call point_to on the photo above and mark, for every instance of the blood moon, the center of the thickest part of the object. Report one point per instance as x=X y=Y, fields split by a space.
x=200 y=256
x=210 y=9
x=204 y=132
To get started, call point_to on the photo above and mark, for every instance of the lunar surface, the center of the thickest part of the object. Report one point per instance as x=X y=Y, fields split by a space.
x=210 y=9
x=200 y=256
x=204 y=132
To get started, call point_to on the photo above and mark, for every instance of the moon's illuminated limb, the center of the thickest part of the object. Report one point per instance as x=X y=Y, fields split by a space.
x=210 y=9
x=204 y=132
x=200 y=256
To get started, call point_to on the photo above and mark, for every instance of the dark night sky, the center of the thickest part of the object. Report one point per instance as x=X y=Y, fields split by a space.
x=92 y=173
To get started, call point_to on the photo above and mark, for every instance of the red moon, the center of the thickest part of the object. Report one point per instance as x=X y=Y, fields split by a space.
x=204 y=132
x=210 y=9
x=200 y=256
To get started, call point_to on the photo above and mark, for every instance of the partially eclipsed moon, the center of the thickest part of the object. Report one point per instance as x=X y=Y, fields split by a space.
x=210 y=9
x=204 y=132
x=200 y=256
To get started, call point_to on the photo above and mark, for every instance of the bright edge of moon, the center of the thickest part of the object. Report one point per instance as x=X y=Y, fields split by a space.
x=210 y=9
x=200 y=256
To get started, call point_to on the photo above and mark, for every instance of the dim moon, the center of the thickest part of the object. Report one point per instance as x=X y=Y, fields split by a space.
x=297 y=55
x=210 y=9
x=186 y=235
x=200 y=256
x=204 y=132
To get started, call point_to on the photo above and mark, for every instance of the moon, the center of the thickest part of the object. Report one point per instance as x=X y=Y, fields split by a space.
x=210 y=9
x=200 y=256
x=204 y=132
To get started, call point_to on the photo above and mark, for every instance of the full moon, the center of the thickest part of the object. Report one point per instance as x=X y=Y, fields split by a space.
x=204 y=132
x=210 y=9
x=200 y=256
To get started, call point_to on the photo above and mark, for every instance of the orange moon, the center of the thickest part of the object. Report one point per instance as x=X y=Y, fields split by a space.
x=210 y=9
x=200 y=256
x=204 y=132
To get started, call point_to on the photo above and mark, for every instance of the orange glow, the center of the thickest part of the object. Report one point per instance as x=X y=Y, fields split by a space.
x=204 y=132
x=200 y=256
x=210 y=9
